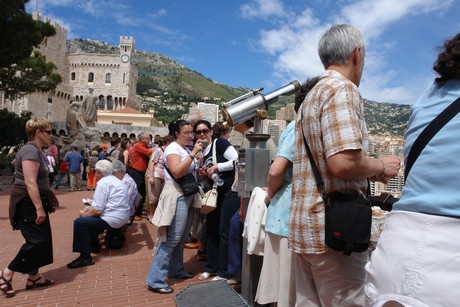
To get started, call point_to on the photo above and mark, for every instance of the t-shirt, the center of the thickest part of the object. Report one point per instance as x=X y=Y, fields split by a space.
x=227 y=176
x=176 y=149
x=31 y=152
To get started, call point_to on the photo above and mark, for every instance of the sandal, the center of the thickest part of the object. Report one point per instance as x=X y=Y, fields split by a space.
x=206 y=275
x=36 y=284
x=201 y=255
x=6 y=287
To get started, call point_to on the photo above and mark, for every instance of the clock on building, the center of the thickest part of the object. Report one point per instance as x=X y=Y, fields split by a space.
x=124 y=58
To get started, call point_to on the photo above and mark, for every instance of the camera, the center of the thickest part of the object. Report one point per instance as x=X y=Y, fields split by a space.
x=385 y=201
x=204 y=142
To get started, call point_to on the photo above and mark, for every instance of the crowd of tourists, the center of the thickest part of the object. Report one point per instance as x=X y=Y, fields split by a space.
x=321 y=160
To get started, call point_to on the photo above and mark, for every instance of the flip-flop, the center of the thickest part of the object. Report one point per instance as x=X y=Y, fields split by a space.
x=36 y=284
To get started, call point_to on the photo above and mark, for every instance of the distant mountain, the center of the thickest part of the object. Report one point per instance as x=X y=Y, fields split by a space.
x=169 y=87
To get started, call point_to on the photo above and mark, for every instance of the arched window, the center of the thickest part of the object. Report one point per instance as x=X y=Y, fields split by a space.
x=109 y=103
x=90 y=77
x=108 y=78
x=101 y=103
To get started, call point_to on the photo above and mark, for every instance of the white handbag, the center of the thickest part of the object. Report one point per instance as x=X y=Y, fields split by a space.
x=209 y=202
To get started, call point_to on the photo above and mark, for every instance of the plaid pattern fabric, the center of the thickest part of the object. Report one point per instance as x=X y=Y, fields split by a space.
x=333 y=121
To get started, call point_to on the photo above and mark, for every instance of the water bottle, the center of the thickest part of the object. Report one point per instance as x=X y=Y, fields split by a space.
x=219 y=181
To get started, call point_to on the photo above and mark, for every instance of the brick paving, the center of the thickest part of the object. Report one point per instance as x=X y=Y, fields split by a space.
x=116 y=279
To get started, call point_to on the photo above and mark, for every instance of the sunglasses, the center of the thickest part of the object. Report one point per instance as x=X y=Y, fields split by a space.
x=204 y=131
x=47 y=131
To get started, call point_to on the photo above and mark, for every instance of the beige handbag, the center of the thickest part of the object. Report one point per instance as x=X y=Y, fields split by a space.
x=209 y=202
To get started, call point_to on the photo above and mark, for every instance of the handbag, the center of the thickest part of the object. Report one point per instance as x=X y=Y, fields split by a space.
x=348 y=218
x=188 y=183
x=209 y=201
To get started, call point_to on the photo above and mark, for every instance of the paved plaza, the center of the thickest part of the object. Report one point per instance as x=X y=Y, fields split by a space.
x=116 y=279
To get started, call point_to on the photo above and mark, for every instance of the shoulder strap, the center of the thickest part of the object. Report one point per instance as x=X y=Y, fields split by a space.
x=314 y=168
x=429 y=132
x=214 y=155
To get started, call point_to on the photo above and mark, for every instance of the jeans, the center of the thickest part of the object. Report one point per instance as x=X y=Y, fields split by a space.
x=86 y=230
x=218 y=232
x=59 y=178
x=235 y=245
x=169 y=258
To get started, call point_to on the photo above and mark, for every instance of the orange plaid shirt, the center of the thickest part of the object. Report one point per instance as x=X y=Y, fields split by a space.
x=333 y=121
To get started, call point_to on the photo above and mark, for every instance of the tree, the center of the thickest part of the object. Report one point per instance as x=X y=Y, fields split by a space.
x=15 y=126
x=21 y=73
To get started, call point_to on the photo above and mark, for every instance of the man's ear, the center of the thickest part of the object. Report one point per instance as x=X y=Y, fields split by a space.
x=356 y=55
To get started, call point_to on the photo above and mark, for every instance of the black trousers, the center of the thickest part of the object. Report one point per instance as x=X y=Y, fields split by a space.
x=139 y=178
x=37 y=251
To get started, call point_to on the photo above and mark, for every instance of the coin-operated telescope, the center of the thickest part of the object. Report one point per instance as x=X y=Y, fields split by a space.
x=254 y=104
x=253 y=162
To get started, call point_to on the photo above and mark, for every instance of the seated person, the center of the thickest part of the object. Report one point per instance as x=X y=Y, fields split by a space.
x=119 y=171
x=109 y=210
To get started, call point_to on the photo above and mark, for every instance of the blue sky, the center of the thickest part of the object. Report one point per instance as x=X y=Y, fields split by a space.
x=253 y=43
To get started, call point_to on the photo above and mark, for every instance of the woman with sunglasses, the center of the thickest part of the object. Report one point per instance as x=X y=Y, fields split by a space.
x=218 y=221
x=174 y=214
x=30 y=203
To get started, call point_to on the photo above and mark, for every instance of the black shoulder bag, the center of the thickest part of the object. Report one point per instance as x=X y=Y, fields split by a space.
x=348 y=218
x=188 y=183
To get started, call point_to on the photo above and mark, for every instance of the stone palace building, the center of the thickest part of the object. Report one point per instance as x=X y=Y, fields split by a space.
x=113 y=78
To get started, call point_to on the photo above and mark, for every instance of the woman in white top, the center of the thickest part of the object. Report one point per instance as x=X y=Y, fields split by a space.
x=174 y=213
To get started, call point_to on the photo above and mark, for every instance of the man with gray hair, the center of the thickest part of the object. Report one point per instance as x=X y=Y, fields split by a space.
x=140 y=154
x=109 y=210
x=332 y=120
x=119 y=171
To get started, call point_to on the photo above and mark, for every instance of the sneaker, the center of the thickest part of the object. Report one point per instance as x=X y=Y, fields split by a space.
x=218 y=278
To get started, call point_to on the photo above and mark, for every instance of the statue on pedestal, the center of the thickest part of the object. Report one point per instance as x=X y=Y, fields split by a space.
x=89 y=109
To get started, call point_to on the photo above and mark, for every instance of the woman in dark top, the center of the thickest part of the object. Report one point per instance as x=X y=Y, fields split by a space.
x=30 y=203
x=218 y=221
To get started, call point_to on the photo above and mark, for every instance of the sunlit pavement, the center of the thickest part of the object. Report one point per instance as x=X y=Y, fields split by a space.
x=116 y=279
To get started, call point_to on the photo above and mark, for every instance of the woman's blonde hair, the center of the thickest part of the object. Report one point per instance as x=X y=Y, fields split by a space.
x=34 y=124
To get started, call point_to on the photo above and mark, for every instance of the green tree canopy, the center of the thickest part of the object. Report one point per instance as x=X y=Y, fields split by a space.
x=14 y=127
x=21 y=74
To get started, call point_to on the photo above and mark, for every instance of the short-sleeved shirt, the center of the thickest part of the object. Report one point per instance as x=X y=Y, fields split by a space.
x=157 y=159
x=332 y=119
x=31 y=152
x=111 y=197
x=176 y=149
x=74 y=159
x=432 y=184
x=278 y=211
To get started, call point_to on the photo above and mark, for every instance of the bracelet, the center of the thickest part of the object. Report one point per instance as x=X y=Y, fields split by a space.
x=383 y=171
x=191 y=157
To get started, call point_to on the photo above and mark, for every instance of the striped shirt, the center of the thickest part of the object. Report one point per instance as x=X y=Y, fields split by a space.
x=333 y=121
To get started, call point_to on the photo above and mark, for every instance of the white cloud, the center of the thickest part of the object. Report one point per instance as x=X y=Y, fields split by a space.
x=262 y=9
x=293 y=43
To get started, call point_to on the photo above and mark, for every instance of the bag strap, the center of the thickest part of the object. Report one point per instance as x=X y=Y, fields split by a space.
x=429 y=132
x=314 y=168
x=214 y=159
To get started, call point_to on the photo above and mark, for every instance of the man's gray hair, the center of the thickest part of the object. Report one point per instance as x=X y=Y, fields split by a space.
x=118 y=166
x=142 y=135
x=337 y=44
x=104 y=166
